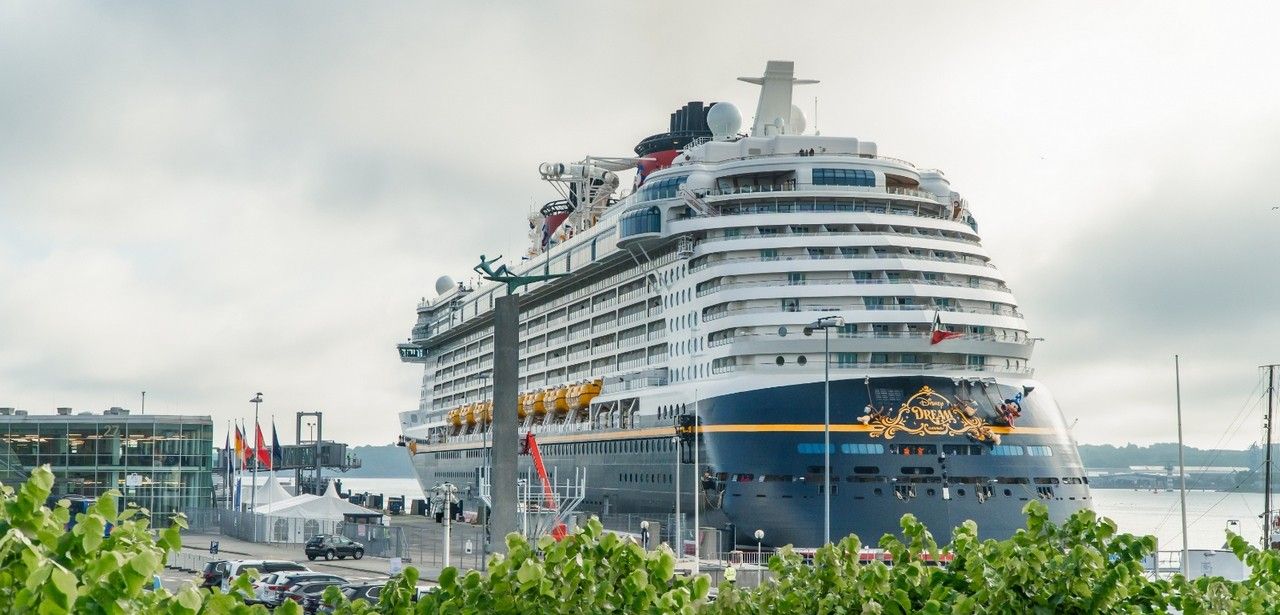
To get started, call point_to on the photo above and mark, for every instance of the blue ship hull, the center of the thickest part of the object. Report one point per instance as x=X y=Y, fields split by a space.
x=929 y=449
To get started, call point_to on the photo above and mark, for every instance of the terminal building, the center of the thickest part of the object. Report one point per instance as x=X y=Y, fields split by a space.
x=160 y=462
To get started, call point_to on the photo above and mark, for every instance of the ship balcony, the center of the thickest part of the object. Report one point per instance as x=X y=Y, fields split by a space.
x=763 y=365
x=720 y=259
x=794 y=186
x=721 y=286
x=717 y=314
x=881 y=342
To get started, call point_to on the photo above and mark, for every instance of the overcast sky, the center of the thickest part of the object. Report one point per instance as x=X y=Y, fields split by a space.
x=206 y=200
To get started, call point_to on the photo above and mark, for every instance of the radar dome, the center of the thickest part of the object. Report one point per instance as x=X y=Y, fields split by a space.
x=444 y=285
x=797 y=124
x=724 y=120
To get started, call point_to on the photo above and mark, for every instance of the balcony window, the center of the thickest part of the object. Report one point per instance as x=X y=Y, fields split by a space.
x=791 y=305
x=648 y=220
x=846 y=358
x=666 y=188
x=795 y=279
x=843 y=177
x=879 y=358
x=769 y=254
x=873 y=303
x=977 y=360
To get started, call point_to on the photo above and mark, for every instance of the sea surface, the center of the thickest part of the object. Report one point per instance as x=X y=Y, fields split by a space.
x=1135 y=512
x=1158 y=513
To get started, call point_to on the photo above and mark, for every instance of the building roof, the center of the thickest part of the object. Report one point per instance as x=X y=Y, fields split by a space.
x=328 y=506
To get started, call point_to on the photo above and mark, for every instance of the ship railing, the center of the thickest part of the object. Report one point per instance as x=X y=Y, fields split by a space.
x=735 y=311
x=912 y=366
x=847 y=281
x=794 y=186
x=711 y=262
x=633 y=384
x=838 y=234
x=981 y=337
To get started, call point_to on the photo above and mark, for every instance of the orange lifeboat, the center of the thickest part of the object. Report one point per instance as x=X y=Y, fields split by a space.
x=561 y=400
x=455 y=417
x=584 y=393
x=469 y=414
x=539 y=402
x=524 y=405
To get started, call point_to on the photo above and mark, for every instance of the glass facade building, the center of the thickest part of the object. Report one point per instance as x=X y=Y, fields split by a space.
x=160 y=462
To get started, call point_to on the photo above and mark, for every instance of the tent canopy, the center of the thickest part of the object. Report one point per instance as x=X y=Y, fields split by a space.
x=269 y=492
x=328 y=506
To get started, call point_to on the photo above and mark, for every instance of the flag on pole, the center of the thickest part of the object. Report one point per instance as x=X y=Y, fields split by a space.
x=260 y=450
x=226 y=451
x=247 y=453
x=277 y=453
x=239 y=449
x=236 y=500
x=940 y=334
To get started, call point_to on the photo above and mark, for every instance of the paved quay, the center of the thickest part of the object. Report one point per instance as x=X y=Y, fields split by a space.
x=185 y=566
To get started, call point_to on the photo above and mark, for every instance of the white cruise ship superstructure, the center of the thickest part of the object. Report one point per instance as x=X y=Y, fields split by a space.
x=740 y=275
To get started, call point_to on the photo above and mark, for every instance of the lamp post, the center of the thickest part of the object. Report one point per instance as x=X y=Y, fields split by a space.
x=826 y=323
x=447 y=491
x=677 y=540
x=759 y=548
x=484 y=446
x=253 y=495
x=644 y=533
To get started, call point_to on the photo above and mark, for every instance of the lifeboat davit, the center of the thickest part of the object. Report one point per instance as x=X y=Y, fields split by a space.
x=561 y=400
x=486 y=412
x=539 y=402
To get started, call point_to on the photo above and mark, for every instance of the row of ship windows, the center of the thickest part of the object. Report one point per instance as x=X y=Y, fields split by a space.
x=1002 y=450
x=872 y=474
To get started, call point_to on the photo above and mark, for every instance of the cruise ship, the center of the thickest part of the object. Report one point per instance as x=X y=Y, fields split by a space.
x=744 y=279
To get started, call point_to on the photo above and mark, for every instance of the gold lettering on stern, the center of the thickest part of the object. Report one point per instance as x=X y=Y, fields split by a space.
x=929 y=413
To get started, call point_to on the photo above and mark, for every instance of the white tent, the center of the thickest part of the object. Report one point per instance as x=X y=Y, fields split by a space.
x=300 y=517
x=268 y=492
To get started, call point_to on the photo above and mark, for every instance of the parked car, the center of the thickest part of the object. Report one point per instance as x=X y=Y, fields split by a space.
x=330 y=546
x=264 y=566
x=307 y=591
x=213 y=574
x=367 y=591
x=276 y=584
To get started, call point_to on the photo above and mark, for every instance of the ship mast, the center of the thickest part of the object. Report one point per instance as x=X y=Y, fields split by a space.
x=1267 y=522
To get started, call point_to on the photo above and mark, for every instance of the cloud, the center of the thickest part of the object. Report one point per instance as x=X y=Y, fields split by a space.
x=206 y=200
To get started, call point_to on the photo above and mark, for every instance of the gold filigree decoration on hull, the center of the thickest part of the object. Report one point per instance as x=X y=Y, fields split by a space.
x=929 y=413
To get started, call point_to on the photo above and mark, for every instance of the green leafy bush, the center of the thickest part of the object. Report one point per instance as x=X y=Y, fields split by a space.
x=1081 y=566
x=47 y=570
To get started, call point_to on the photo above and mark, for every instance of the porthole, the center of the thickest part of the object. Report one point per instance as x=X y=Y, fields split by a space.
x=960 y=491
x=1008 y=492
x=780 y=361
x=782 y=331
x=930 y=492
x=879 y=491
x=801 y=360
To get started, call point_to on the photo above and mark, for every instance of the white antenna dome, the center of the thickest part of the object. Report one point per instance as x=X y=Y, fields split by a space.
x=797 y=124
x=444 y=284
x=724 y=120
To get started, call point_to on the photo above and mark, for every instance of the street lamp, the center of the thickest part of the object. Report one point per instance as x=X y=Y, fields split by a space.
x=644 y=533
x=759 y=547
x=678 y=540
x=484 y=445
x=447 y=492
x=826 y=323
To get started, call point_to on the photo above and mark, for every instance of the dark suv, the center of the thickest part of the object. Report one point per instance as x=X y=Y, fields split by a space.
x=213 y=573
x=330 y=546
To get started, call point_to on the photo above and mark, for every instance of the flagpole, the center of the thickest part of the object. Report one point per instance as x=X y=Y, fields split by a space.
x=226 y=466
